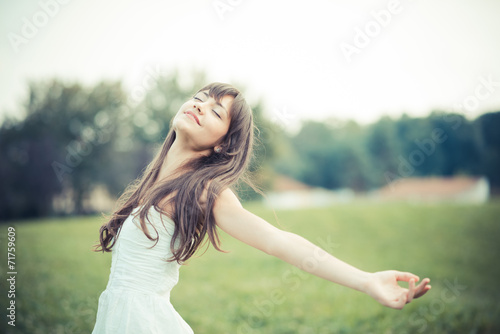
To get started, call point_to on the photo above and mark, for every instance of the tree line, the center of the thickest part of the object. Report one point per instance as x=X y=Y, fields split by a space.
x=74 y=138
x=335 y=154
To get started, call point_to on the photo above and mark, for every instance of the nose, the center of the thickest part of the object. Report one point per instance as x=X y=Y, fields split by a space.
x=197 y=108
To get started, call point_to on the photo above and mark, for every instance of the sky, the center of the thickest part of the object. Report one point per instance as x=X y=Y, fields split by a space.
x=340 y=59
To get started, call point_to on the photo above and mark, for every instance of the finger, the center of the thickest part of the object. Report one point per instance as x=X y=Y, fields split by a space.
x=422 y=284
x=423 y=292
x=411 y=291
x=425 y=281
x=422 y=288
x=405 y=276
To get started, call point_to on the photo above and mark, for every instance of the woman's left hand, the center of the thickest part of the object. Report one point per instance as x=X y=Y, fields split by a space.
x=383 y=287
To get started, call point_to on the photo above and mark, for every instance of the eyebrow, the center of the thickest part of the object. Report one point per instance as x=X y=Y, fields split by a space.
x=219 y=104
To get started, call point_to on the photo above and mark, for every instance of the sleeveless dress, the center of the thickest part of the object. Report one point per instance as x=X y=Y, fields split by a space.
x=137 y=297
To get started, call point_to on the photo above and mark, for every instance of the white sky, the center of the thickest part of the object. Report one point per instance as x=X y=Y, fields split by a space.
x=431 y=55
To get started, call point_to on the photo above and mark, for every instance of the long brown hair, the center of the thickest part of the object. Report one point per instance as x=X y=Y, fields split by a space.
x=214 y=173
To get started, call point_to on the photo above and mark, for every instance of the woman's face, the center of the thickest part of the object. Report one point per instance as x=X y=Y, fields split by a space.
x=203 y=122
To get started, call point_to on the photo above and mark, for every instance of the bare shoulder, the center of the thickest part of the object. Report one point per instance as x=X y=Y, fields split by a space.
x=228 y=198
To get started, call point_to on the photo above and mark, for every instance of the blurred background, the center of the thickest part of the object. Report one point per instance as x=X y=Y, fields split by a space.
x=350 y=97
x=371 y=102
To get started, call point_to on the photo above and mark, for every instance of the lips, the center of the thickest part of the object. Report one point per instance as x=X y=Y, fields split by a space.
x=193 y=116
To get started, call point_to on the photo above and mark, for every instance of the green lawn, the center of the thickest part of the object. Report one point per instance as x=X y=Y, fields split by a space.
x=59 y=279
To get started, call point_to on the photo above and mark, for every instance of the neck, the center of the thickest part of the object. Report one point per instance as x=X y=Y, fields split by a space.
x=178 y=154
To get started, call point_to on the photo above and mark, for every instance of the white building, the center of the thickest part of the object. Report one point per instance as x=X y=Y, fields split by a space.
x=291 y=194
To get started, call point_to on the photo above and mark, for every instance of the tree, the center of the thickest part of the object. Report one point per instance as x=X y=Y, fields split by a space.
x=59 y=147
x=487 y=127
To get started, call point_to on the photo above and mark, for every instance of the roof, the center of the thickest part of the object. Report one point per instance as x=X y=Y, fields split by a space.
x=283 y=183
x=429 y=186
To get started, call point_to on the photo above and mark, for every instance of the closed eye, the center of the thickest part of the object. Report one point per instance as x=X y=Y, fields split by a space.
x=198 y=99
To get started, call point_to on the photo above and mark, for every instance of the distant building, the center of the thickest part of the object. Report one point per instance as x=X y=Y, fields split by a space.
x=288 y=193
x=456 y=189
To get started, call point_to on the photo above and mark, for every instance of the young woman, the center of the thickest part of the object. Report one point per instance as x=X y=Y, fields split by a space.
x=182 y=197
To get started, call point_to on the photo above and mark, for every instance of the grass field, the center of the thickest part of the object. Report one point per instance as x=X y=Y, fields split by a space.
x=59 y=279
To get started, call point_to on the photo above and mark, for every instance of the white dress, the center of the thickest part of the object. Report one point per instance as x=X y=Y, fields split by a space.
x=137 y=297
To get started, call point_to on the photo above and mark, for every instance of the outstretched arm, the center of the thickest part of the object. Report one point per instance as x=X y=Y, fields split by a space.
x=243 y=225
